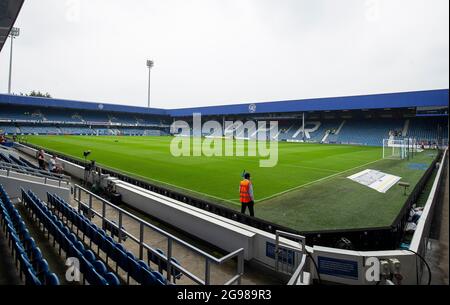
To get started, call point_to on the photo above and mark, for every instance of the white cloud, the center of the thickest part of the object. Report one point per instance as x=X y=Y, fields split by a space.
x=210 y=52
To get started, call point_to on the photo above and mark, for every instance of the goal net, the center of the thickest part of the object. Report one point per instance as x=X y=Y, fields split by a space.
x=395 y=148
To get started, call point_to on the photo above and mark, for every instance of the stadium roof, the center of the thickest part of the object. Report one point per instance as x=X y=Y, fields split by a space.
x=433 y=98
x=9 y=10
x=21 y=100
x=375 y=101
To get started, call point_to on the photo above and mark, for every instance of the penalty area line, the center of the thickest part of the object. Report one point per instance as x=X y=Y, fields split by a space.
x=315 y=181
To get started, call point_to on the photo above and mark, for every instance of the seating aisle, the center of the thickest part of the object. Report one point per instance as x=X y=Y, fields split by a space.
x=8 y=272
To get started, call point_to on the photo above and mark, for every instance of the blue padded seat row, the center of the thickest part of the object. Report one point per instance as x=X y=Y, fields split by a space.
x=23 y=247
x=67 y=241
x=100 y=238
x=114 y=251
x=74 y=247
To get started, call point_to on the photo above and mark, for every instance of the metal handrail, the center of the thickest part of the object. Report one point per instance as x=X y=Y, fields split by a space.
x=298 y=274
x=29 y=171
x=299 y=253
x=171 y=265
x=35 y=170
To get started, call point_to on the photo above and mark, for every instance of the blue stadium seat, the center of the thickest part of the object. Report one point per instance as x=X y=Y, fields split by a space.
x=31 y=278
x=67 y=240
x=90 y=256
x=100 y=267
x=113 y=251
x=51 y=279
x=112 y=279
x=28 y=257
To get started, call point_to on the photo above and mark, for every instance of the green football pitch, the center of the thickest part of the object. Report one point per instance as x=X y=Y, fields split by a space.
x=307 y=190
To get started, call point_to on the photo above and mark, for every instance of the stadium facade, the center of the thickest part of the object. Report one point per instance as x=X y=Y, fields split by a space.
x=363 y=120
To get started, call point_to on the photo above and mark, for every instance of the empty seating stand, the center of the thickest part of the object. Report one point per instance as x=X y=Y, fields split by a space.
x=53 y=118
x=114 y=251
x=366 y=132
x=27 y=255
x=425 y=129
x=93 y=270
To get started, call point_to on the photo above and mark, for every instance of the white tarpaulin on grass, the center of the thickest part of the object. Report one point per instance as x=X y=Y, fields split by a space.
x=376 y=180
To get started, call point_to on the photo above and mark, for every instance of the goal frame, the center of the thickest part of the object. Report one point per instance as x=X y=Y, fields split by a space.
x=396 y=149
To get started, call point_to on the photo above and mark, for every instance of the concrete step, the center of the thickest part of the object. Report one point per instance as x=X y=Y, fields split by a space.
x=56 y=262
x=8 y=272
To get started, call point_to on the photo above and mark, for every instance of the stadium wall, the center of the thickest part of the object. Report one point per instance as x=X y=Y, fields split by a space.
x=412 y=267
x=40 y=189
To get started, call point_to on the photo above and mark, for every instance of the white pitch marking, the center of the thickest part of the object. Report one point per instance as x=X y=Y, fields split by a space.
x=315 y=181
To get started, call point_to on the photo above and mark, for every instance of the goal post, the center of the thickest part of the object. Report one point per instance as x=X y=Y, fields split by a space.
x=397 y=149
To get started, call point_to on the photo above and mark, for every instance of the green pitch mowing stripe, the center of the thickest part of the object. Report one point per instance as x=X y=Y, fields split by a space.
x=307 y=190
x=218 y=177
x=319 y=180
x=339 y=203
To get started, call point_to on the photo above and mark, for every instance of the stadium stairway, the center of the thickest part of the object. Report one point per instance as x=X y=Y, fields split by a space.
x=39 y=237
x=8 y=272
x=93 y=271
x=71 y=232
x=114 y=252
x=55 y=261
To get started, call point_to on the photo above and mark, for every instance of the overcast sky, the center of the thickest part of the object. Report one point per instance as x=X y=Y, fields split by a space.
x=212 y=52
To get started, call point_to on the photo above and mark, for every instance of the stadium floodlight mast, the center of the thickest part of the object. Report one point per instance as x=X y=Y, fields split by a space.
x=15 y=32
x=150 y=64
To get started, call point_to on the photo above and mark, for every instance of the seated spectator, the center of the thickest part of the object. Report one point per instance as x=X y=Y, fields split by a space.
x=52 y=165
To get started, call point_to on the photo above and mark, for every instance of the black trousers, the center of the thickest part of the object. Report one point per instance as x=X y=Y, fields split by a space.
x=41 y=164
x=250 y=207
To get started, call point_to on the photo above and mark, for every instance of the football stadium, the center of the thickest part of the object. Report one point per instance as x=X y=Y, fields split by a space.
x=132 y=195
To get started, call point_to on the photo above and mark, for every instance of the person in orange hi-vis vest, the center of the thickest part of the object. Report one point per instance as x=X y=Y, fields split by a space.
x=246 y=195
